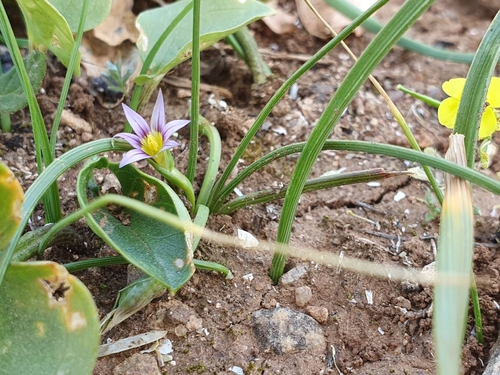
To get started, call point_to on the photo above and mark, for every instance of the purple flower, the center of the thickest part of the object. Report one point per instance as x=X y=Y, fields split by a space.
x=149 y=141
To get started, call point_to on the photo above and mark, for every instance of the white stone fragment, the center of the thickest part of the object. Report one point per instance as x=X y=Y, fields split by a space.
x=399 y=196
x=369 y=297
x=237 y=370
x=247 y=238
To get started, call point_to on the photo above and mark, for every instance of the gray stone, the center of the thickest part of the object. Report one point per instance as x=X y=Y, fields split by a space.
x=284 y=330
x=294 y=274
x=303 y=295
x=138 y=364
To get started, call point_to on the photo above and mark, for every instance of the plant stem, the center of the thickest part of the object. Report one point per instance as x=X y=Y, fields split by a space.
x=194 y=125
x=254 y=59
x=213 y=162
x=67 y=79
x=117 y=260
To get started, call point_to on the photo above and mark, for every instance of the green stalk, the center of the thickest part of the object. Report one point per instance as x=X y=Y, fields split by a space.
x=213 y=162
x=51 y=200
x=46 y=180
x=194 y=126
x=281 y=92
x=313 y=184
x=233 y=42
x=67 y=79
x=254 y=60
x=117 y=260
x=5 y=117
x=6 y=122
x=373 y=54
x=201 y=218
x=476 y=87
x=423 y=98
x=177 y=179
x=136 y=95
x=477 y=310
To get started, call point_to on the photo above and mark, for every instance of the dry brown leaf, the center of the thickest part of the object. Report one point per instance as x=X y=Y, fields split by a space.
x=280 y=22
x=334 y=18
x=119 y=25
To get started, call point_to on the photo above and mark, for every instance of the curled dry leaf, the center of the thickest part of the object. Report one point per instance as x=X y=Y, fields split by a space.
x=334 y=18
x=113 y=40
x=281 y=22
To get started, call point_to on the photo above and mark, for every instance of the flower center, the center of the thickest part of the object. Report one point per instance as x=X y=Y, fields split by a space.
x=152 y=144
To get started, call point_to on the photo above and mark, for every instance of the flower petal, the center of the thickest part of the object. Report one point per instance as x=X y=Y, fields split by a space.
x=171 y=127
x=140 y=126
x=488 y=123
x=493 y=96
x=133 y=155
x=454 y=87
x=447 y=112
x=158 y=115
x=133 y=139
x=169 y=144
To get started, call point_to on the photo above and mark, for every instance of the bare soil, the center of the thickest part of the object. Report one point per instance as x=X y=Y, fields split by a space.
x=392 y=335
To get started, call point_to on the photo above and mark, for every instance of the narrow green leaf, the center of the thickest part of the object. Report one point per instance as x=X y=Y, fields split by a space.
x=220 y=18
x=161 y=251
x=48 y=322
x=12 y=95
x=72 y=9
x=11 y=201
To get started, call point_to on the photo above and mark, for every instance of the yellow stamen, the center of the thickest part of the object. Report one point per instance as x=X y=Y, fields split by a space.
x=152 y=144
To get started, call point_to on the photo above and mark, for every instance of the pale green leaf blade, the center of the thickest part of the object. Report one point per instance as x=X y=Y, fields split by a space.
x=48 y=322
x=220 y=18
x=72 y=9
x=11 y=201
x=12 y=96
x=161 y=251
x=47 y=29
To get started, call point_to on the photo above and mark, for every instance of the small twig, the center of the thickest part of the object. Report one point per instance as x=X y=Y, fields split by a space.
x=185 y=83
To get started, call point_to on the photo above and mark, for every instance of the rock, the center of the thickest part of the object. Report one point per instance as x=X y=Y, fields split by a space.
x=138 y=364
x=284 y=330
x=319 y=313
x=194 y=323
x=75 y=122
x=180 y=330
x=303 y=295
x=294 y=274
x=178 y=312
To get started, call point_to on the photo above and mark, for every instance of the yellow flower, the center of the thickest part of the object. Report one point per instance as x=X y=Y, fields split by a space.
x=447 y=111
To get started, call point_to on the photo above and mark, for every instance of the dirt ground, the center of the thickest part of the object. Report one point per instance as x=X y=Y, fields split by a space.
x=392 y=335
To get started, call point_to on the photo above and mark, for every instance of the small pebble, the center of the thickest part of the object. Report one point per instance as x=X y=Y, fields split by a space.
x=180 y=330
x=319 y=313
x=303 y=295
x=194 y=323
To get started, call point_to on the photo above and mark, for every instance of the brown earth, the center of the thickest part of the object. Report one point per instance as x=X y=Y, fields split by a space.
x=390 y=336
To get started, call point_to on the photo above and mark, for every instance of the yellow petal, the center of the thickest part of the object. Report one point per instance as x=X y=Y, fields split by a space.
x=454 y=87
x=447 y=112
x=493 y=96
x=488 y=123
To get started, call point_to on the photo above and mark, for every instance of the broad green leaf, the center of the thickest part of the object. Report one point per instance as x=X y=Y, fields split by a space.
x=48 y=322
x=47 y=29
x=219 y=18
x=12 y=96
x=161 y=251
x=11 y=202
x=72 y=9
